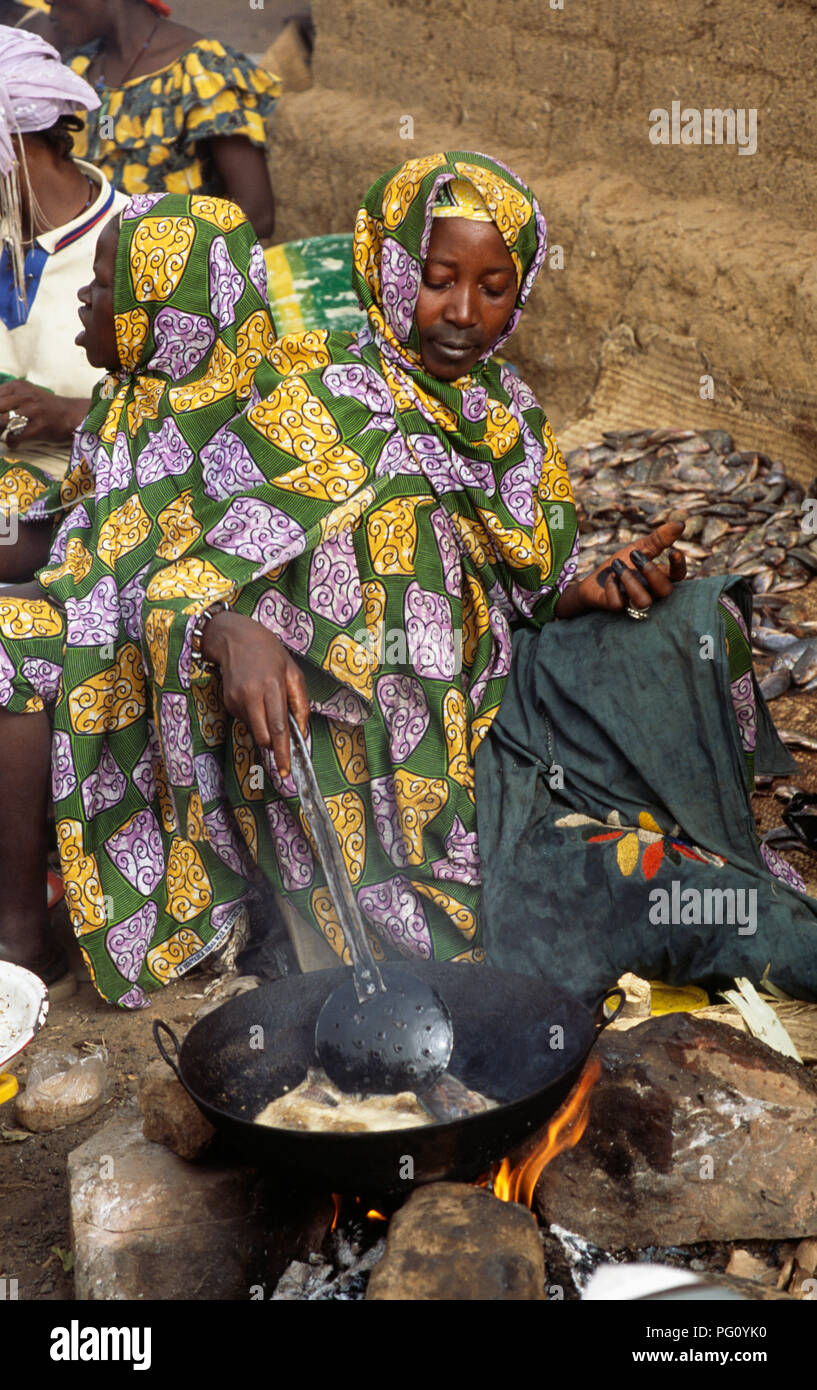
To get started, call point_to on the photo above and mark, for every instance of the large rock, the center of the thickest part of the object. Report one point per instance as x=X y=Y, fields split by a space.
x=146 y=1224
x=696 y=1133
x=455 y=1242
x=170 y=1116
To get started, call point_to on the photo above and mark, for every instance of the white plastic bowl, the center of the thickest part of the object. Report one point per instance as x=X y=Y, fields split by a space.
x=23 y=1009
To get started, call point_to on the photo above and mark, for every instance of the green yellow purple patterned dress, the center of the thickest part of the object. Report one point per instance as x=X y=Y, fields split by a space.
x=144 y=891
x=150 y=134
x=388 y=528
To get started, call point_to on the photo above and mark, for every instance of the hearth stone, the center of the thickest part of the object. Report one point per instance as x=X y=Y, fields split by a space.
x=148 y=1225
x=454 y=1242
x=170 y=1116
x=696 y=1133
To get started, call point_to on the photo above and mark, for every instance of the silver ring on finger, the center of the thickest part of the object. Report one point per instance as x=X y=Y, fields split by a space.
x=16 y=424
x=638 y=614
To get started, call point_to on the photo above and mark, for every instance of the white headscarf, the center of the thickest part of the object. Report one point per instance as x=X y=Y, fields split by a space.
x=35 y=89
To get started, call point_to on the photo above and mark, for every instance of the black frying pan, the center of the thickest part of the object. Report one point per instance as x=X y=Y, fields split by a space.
x=516 y=1039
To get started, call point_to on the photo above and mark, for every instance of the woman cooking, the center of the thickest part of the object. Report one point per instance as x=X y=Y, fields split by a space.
x=358 y=547
x=408 y=493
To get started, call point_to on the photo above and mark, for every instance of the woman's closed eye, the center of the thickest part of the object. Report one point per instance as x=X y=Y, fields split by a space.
x=497 y=287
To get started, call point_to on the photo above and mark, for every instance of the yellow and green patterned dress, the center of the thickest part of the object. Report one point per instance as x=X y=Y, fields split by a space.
x=150 y=134
x=389 y=528
x=147 y=895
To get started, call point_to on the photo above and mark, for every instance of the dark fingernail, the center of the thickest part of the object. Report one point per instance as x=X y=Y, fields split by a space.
x=638 y=558
x=618 y=567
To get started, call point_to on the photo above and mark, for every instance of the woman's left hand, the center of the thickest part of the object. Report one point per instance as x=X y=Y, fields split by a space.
x=631 y=576
x=49 y=416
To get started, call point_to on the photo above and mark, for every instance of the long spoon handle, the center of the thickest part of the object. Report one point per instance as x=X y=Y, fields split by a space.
x=367 y=977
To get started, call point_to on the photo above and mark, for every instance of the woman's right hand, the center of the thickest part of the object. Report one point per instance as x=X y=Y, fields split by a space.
x=260 y=680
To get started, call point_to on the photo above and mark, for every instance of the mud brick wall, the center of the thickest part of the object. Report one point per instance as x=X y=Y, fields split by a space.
x=699 y=240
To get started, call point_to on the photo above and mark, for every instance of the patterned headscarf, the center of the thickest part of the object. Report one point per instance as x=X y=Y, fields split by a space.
x=192 y=325
x=458 y=198
x=357 y=414
x=393 y=229
x=489 y=415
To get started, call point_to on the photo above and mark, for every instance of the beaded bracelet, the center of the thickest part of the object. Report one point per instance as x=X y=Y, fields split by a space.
x=220 y=606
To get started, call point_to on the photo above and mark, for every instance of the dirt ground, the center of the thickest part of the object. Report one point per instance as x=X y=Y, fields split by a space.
x=34 y=1217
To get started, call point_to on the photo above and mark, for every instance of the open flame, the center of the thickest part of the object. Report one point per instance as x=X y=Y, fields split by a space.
x=518 y=1184
x=372 y=1214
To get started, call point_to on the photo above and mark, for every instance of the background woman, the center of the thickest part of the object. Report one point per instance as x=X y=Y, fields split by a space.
x=177 y=314
x=179 y=112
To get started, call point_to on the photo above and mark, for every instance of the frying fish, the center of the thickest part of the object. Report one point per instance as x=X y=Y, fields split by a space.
x=319 y=1105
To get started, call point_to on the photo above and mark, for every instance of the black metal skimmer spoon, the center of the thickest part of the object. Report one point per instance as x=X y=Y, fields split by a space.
x=369 y=1037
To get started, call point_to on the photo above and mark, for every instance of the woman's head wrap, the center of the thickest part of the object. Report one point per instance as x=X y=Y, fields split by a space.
x=461 y=199
x=191 y=315
x=393 y=230
x=36 y=88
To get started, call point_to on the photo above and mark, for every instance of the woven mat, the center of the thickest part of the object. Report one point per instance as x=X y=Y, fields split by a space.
x=657 y=380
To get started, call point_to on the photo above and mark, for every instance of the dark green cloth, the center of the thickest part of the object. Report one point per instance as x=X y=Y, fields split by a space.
x=634 y=719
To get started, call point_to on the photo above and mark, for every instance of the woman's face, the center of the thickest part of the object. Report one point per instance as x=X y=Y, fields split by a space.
x=467 y=295
x=96 y=314
x=75 y=23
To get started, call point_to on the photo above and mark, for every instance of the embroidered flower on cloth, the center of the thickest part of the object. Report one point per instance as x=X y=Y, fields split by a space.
x=630 y=840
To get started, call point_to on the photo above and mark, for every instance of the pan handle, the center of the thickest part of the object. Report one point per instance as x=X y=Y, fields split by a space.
x=608 y=1007
x=160 y=1025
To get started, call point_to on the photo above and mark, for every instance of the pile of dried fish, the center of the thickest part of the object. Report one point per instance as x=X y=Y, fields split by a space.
x=742 y=515
x=793 y=651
